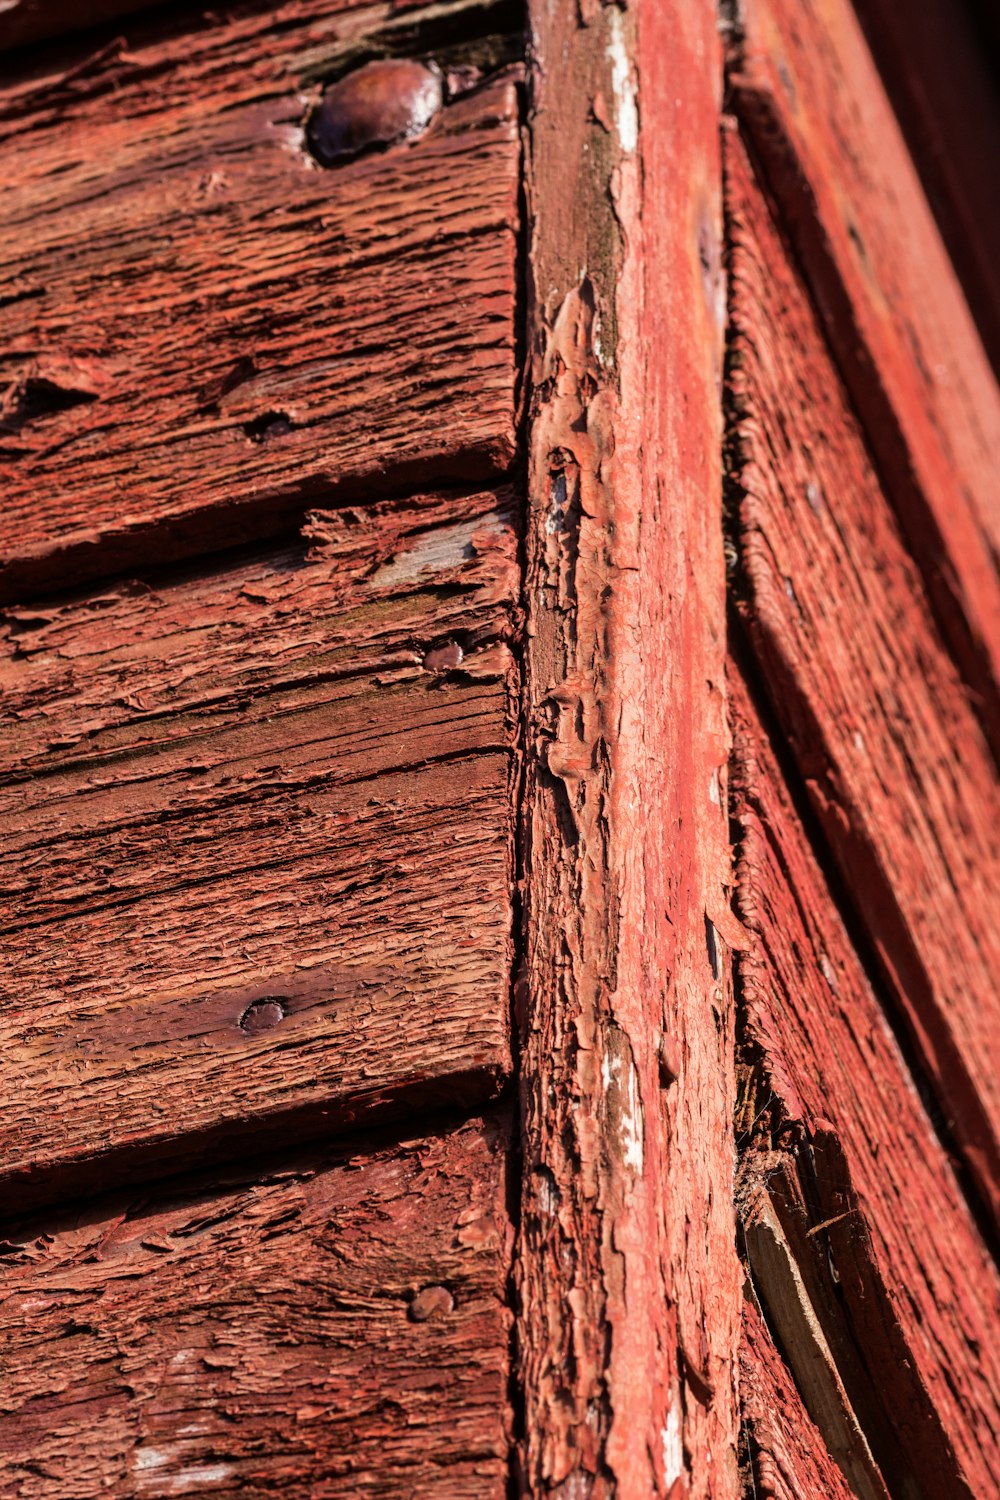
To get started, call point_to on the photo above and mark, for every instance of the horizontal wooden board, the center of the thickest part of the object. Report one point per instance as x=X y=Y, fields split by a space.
x=916 y=1291
x=285 y=780
x=807 y=89
x=787 y=1457
x=334 y=1328
x=883 y=733
x=203 y=329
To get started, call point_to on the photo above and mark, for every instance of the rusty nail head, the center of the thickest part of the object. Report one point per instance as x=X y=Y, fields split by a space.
x=377 y=104
x=432 y=1302
x=262 y=1015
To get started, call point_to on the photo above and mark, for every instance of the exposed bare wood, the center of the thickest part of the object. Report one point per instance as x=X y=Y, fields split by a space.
x=281 y=783
x=297 y=331
x=808 y=90
x=891 y=751
x=883 y=1240
x=788 y=1458
x=629 y=1284
x=778 y=1280
x=334 y=1328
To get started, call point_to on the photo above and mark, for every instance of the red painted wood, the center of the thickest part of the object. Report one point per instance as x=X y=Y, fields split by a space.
x=878 y=722
x=286 y=778
x=806 y=87
x=335 y=1326
x=937 y=74
x=833 y=1109
x=628 y=1280
x=203 y=329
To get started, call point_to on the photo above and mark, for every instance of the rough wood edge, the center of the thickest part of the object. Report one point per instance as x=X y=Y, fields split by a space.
x=628 y=1280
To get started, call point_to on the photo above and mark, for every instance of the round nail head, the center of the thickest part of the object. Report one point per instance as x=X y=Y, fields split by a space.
x=376 y=105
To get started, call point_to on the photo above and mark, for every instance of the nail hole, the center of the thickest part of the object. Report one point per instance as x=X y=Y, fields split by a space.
x=270 y=424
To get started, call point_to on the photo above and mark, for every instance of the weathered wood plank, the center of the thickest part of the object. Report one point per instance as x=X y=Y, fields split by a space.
x=628 y=1279
x=286 y=779
x=202 y=328
x=23 y=22
x=806 y=87
x=937 y=75
x=337 y=1327
x=836 y=1135
x=788 y=1459
x=891 y=751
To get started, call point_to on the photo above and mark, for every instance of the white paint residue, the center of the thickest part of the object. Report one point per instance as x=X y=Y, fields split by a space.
x=623 y=86
x=632 y=1127
x=713 y=788
x=673 y=1448
x=195 y=1477
x=150 y=1458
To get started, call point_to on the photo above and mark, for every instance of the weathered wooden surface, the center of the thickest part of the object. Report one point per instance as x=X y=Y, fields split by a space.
x=203 y=329
x=882 y=731
x=805 y=85
x=937 y=75
x=23 y=22
x=834 y=1133
x=285 y=778
x=787 y=1458
x=336 y=1327
x=628 y=1280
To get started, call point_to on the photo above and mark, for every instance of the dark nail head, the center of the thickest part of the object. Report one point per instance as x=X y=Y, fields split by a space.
x=375 y=105
x=262 y=1015
x=432 y=1302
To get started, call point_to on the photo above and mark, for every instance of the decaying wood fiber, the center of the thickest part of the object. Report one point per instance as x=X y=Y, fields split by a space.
x=283 y=780
x=334 y=1327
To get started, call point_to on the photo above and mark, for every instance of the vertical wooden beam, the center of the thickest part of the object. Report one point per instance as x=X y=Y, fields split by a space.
x=628 y=1278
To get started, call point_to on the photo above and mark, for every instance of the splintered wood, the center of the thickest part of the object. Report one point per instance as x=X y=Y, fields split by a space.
x=787 y=1457
x=202 y=329
x=879 y=723
x=835 y=1133
x=257 y=842
x=336 y=1327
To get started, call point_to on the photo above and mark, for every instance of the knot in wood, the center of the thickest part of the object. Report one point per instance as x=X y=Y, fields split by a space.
x=375 y=106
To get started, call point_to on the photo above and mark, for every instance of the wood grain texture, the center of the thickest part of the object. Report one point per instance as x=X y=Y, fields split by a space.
x=334 y=1327
x=836 y=1136
x=807 y=90
x=203 y=330
x=788 y=1459
x=895 y=762
x=628 y=1280
x=286 y=778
